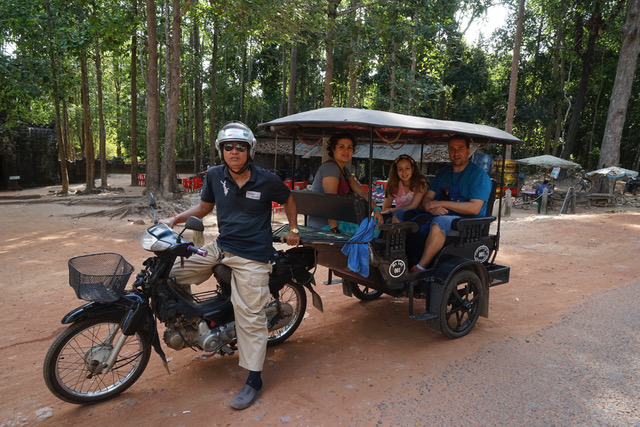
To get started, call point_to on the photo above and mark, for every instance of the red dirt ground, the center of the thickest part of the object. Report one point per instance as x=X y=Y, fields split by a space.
x=338 y=368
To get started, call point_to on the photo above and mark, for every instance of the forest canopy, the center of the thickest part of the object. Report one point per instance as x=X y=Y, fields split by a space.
x=85 y=66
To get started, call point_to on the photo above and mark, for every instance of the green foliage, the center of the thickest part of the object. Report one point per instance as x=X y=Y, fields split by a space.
x=410 y=56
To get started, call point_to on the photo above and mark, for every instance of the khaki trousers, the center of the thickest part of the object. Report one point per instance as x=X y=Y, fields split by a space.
x=249 y=295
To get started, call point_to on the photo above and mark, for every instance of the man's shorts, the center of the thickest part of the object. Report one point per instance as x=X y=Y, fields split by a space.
x=444 y=223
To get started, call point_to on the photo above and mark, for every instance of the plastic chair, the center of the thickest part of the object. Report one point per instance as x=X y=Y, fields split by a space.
x=276 y=207
x=142 y=180
x=197 y=183
x=186 y=183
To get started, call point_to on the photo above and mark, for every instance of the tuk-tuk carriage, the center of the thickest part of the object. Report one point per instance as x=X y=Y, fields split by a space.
x=454 y=290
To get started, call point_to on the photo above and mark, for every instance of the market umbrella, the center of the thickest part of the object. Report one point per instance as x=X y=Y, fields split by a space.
x=614 y=172
x=548 y=161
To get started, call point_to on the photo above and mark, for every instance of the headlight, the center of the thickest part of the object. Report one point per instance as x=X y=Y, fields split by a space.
x=151 y=243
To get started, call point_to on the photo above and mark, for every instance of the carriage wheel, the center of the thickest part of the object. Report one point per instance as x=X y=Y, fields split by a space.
x=461 y=304
x=364 y=293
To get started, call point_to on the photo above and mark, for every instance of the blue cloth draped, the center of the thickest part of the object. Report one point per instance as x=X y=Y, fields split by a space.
x=358 y=253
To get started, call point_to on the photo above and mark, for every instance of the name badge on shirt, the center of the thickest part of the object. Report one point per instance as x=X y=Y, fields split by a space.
x=254 y=195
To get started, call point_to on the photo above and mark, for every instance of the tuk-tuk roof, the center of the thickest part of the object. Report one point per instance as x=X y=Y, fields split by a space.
x=391 y=128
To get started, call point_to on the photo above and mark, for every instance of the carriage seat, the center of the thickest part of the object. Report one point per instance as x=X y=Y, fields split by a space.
x=349 y=208
x=469 y=232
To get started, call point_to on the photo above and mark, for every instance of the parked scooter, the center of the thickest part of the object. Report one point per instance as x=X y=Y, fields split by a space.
x=632 y=186
x=108 y=343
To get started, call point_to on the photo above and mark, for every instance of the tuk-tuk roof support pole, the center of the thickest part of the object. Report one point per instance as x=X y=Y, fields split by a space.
x=369 y=191
x=504 y=154
x=293 y=159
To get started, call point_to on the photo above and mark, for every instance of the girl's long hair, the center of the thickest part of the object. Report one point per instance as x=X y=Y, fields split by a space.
x=417 y=182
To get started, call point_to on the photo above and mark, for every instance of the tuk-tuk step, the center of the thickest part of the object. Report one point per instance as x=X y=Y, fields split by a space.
x=498 y=274
x=423 y=316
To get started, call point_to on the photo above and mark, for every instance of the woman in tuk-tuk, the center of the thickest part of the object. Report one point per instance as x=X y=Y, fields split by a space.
x=334 y=178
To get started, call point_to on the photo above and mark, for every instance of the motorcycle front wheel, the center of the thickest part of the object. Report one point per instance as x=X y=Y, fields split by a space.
x=72 y=366
x=291 y=295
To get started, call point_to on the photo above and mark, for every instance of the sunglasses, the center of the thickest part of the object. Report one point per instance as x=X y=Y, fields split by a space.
x=240 y=146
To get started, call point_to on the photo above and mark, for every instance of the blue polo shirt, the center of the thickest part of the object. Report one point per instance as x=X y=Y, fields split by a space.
x=471 y=183
x=244 y=214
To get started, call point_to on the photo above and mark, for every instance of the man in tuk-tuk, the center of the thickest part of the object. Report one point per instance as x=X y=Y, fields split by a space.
x=458 y=190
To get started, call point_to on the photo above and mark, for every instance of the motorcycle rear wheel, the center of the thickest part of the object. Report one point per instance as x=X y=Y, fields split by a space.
x=294 y=295
x=70 y=357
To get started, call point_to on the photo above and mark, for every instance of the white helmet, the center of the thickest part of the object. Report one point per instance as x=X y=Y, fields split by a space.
x=236 y=131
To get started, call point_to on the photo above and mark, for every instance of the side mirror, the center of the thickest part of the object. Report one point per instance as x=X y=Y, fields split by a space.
x=153 y=206
x=194 y=223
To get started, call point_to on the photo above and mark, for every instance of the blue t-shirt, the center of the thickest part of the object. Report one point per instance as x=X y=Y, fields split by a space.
x=472 y=183
x=541 y=188
x=244 y=214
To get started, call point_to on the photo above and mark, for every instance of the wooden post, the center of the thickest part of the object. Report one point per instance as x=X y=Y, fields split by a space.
x=569 y=201
x=507 y=203
x=543 y=202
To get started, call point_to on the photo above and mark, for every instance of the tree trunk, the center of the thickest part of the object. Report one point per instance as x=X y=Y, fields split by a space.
x=412 y=74
x=66 y=135
x=553 y=103
x=153 y=102
x=188 y=120
x=629 y=50
x=214 y=95
x=249 y=77
x=101 y=130
x=392 y=78
x=169 y=183
x=134 y=106
x=511 y=104
x=353 y=66
x=117 y=90
x=64 y=176
x=293 y=77
x=199 y=114
x=243 y=82
x=283 y=98
x=595 y=25
x=332 y=12
x=89 y=154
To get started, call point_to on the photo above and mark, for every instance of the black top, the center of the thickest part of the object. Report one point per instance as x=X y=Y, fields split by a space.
x=244 y=214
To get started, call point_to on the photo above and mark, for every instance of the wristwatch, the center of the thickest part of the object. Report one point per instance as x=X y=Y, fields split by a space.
x=294 y=230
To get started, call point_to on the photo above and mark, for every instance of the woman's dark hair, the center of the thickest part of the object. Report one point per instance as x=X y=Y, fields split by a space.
x=333 y=141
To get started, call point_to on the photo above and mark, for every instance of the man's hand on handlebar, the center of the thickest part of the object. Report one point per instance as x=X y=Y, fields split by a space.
x=171 y=221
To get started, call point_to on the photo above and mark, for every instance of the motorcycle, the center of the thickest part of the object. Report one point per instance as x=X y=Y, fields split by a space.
x=632 y=186
x=107 y=346
x=584 y=184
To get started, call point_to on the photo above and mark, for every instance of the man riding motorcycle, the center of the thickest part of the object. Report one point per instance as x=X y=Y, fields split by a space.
x=244 y=194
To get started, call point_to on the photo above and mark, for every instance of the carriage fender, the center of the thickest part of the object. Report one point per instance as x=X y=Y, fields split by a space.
x=446 y=269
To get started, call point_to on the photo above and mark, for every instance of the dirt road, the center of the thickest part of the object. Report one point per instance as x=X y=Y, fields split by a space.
x=559 y=346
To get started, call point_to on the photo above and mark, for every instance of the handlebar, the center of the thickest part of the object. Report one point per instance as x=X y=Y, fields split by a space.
x=197 y=251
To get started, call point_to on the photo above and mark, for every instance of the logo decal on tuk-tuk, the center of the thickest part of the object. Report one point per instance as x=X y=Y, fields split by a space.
x=481 y=254
x=397 y=268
